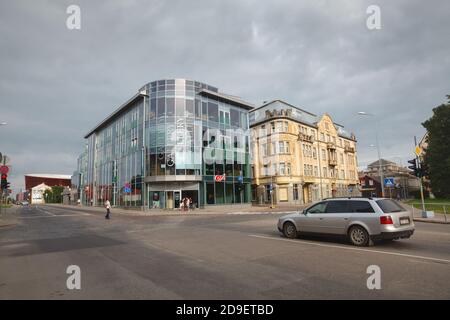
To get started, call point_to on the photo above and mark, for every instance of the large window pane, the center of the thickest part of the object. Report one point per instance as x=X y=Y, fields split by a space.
x=213 y=112
x=234 y=115
x=210 y=193
x=161 y=108
x=170 y=107
x=220 y=197
x=229 y=192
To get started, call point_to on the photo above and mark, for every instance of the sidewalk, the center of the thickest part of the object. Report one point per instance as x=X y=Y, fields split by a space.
x=7 y=217
x=417 y=216
x=216 y=210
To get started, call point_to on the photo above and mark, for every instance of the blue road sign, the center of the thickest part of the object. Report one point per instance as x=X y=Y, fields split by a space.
x=389 y=182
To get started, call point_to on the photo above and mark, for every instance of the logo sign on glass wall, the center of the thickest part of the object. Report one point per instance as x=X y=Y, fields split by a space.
x=219 y=178
x=127 y=188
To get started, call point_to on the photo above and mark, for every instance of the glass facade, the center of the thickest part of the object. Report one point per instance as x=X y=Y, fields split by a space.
x=177 y=138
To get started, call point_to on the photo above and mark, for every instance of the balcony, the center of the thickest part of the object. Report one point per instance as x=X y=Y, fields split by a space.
x=331 y=146
x=349 y=149
x=305 y=137
x=332 y=162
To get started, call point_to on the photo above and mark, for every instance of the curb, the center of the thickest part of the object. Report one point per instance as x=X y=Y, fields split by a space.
x=429 y=221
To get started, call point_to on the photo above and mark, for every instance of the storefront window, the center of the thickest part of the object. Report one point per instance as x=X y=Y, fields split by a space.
x=210 y=193
x=220 y=198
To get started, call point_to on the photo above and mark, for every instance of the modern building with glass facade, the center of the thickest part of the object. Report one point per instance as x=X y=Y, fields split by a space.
x=173 y=139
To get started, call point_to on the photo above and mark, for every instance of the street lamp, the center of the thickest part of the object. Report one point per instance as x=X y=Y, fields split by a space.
x=362 y=113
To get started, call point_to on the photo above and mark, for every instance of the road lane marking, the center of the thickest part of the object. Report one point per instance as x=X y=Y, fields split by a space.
x=351 y=248
x=45 y=211
x=57 y=216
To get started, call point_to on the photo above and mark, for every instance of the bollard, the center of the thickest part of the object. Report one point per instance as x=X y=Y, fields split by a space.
x=445 y=213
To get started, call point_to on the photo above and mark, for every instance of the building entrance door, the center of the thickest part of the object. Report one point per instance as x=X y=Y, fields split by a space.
x=173 y=199
x=177 y=199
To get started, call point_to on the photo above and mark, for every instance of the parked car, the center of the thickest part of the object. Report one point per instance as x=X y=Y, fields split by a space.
x=362 y=220
x=24 y=203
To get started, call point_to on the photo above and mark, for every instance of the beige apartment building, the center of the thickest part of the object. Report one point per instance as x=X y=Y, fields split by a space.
x=299 y=157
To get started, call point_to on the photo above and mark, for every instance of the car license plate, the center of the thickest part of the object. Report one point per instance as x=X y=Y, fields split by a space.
x=404 y=221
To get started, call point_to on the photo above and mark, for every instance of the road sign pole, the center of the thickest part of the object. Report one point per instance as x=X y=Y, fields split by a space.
x=420 y=181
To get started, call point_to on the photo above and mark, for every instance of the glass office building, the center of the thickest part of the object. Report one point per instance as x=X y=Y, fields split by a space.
x=173 y=139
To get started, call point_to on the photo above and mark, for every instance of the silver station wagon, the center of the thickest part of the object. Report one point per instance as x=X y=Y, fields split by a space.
x=362 y=220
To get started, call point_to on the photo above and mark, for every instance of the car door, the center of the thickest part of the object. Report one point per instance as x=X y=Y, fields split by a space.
x=311 y=222
x=336 y=217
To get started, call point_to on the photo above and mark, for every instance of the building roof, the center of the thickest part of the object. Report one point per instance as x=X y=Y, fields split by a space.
x=384 y=162
x=210 y=92
x=298 y=114
x=119 y=110
x=41 y=187
x=227 y=98
x=49 y=175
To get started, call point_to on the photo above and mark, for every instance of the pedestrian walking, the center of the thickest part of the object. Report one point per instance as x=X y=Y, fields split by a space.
x=108 y=209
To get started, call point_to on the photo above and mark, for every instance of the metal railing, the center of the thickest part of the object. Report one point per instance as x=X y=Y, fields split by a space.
x=436 y=207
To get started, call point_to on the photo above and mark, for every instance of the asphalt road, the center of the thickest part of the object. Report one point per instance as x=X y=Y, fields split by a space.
x=223 y=256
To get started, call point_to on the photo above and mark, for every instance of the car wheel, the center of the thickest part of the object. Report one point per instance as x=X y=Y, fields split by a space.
x=359 y=236
x=289 y=230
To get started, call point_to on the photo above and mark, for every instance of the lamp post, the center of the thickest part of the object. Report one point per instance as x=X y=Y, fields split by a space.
x=380 y=168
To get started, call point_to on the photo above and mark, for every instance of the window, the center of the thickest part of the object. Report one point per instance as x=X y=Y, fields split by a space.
x=322 y=136
x=264 y=149
x=279 y=126
x=295 y=191
x=361 y=206
x=318 y=208
x=325 y=172
x=272 y=125
x=281 y=147
x=274 y=148
x=389 y=206
x=213 y=112
x=282 y=169
x=234 y=115
x=170 y=107
x=324 y=154
x=288 y=169
x=286 y=126
x=338 y=207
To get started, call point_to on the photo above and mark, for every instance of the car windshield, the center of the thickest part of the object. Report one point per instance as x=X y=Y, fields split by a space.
x=389 y=206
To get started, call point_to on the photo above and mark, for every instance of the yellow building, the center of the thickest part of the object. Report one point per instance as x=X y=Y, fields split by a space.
x=299 y=157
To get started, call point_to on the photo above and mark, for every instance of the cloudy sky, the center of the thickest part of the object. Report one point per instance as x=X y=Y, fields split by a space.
x=56 y=83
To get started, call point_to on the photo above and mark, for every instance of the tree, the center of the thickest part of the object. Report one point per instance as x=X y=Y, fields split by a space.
x=437 y=155
x=53 y=195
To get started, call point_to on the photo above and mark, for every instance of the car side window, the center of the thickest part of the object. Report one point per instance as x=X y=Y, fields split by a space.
x=318 y=208
x=361 y=207
x=340 y=206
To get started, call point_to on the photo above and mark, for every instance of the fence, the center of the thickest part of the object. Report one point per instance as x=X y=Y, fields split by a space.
x=439 y=208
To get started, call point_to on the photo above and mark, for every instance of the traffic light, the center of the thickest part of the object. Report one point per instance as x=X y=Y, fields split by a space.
x=4 y=182
x=414 y=167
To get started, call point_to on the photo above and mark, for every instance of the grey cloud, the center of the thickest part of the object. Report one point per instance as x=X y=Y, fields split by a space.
x=57 y=84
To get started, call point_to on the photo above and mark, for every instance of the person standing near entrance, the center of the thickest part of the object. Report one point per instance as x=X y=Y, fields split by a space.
x=108 y=209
